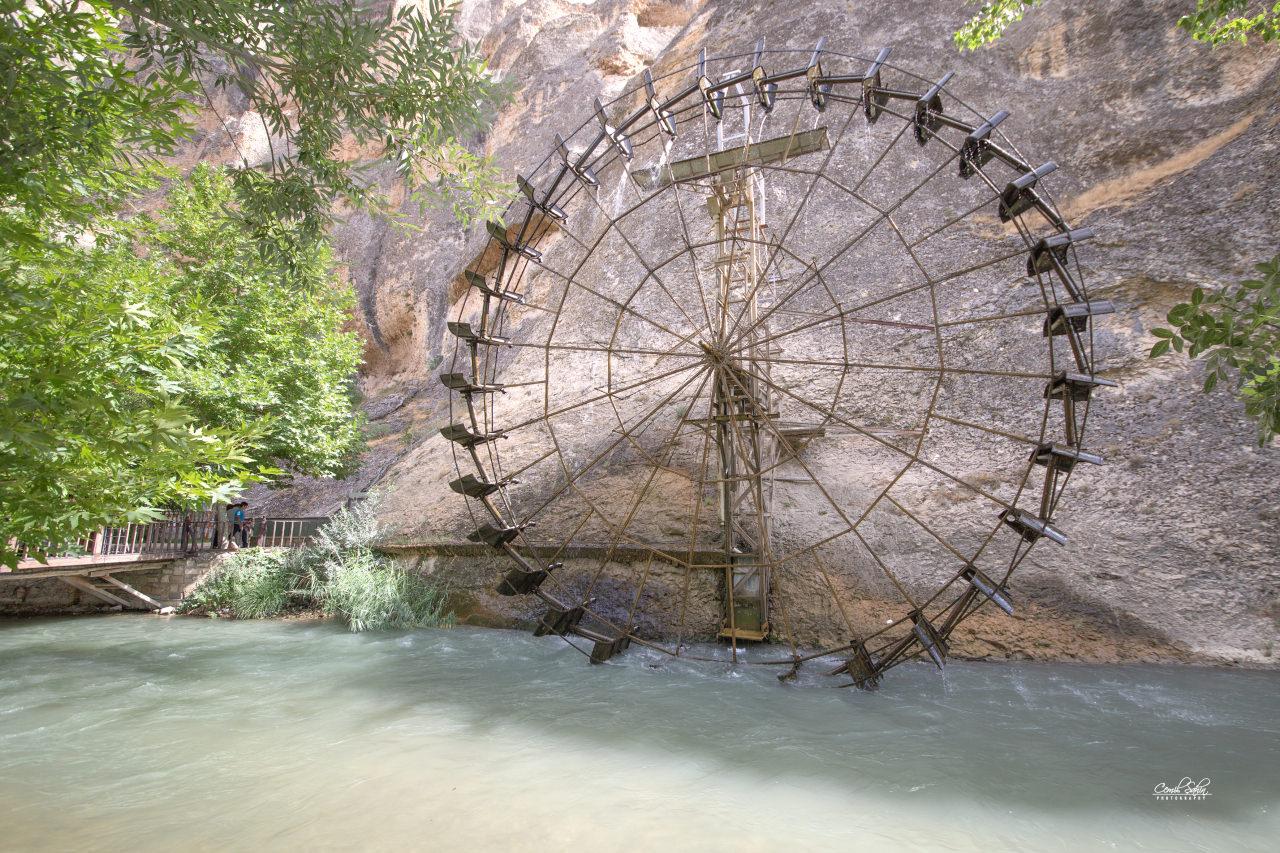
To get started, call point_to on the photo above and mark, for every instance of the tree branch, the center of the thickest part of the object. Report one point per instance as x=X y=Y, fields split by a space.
x=140 y=11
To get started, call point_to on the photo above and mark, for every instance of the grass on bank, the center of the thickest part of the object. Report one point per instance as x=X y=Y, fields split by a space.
x=338 y=575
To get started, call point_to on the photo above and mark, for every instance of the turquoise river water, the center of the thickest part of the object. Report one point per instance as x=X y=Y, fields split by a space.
x=144 y=733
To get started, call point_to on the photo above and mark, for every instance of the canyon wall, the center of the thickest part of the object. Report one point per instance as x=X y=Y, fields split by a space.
x=1169 y=149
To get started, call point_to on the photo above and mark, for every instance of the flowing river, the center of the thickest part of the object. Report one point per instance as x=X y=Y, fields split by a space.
x=144 y=733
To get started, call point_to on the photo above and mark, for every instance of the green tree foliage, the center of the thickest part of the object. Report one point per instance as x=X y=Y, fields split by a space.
x=273 y=364
x=92 y=424
x=171 y=360
x=168 y=363
x=94 y=91
x=1218 y=21
x=324 y=77
x=990 y=22
x=1213 y=21
x=1237 y=331
x=78 y=130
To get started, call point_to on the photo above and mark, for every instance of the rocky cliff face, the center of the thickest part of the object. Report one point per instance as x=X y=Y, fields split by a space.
x=1170 y=150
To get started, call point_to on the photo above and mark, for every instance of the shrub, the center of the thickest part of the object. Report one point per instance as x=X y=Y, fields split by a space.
x=370 y=594
x=356 y=583
x=251 y=584
x=340 y=574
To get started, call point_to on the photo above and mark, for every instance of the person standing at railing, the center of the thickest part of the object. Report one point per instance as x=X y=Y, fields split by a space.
x=239 y=528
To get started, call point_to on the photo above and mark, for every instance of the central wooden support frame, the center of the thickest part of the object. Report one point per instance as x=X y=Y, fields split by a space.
x=742 y=403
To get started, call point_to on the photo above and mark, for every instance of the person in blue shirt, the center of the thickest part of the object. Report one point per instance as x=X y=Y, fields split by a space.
x=239 y=528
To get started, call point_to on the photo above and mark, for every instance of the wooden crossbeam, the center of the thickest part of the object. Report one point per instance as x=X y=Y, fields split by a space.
x=141 y=596
x=84 y=586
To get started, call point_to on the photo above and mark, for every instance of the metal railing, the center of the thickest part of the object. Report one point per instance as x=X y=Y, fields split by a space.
x=286 y=532
x=177 y=535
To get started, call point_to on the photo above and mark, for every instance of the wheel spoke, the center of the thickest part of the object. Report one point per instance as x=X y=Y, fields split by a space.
x=572 y=477
x=847 y=246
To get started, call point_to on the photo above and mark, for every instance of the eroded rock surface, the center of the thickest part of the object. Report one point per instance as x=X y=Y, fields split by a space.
x=1169 y=149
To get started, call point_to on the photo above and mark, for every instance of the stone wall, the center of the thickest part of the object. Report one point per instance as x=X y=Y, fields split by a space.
x=44 y=596
x=168 y=584
x=172 y=582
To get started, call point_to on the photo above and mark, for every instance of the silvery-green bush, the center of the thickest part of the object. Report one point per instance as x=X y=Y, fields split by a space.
x=339 y=574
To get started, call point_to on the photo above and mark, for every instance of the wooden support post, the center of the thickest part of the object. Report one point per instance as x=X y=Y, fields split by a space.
x=141 y=596
x=83 y=585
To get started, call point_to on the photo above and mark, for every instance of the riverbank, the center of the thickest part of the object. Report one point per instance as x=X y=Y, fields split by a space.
x=986 y=637
x=1048 y=623
x=344 y=573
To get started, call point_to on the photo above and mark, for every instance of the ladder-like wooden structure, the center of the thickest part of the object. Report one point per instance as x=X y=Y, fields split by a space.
x=747 y=450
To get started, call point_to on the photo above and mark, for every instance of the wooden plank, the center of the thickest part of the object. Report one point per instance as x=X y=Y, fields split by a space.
x=99 y=560
x=141 y=596
x=780 y=149
x=744 y=634
x=775 y=150
x=85 y=568
x=703 y=557
x=84 y=586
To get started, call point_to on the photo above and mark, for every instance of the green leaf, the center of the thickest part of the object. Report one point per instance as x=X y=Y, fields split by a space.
x=990 y=22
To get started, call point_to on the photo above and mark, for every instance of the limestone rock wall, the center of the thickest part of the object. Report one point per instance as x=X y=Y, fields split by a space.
x=1169 y=149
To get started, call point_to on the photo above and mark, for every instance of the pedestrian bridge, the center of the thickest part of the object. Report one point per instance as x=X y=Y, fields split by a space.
x=92 y=563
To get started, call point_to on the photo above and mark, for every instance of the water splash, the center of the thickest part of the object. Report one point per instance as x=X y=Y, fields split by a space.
x=616 y=198
x=662 y=158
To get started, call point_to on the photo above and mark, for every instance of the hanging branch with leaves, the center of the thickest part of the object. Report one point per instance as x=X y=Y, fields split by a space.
x=1237 y=332
x=1213 y=21
x=327 y=79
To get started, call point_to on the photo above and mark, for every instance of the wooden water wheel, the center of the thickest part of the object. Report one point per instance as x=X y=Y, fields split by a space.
x=789 y=326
